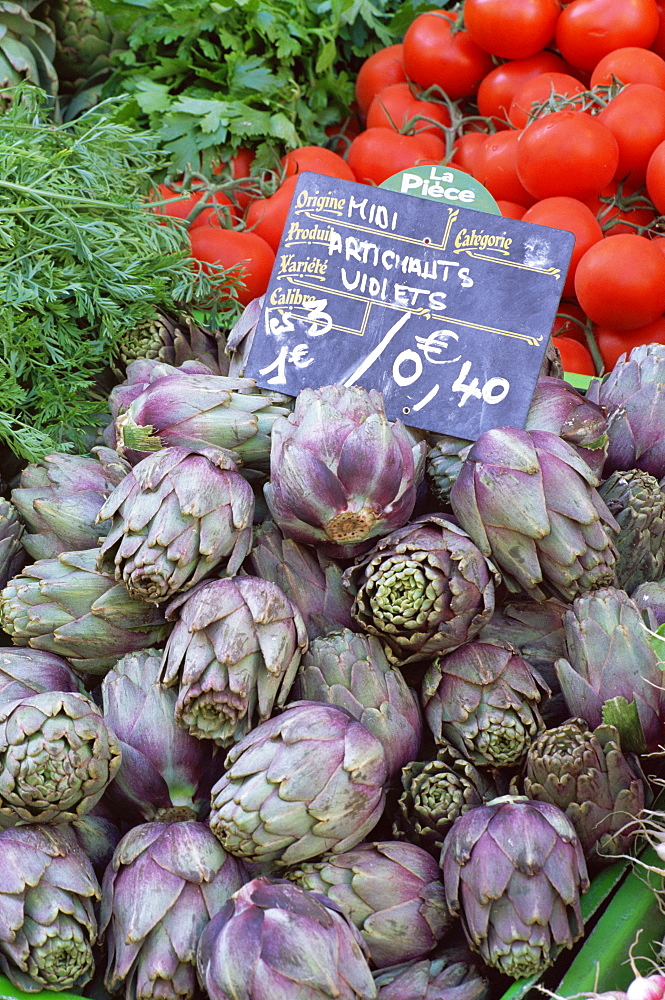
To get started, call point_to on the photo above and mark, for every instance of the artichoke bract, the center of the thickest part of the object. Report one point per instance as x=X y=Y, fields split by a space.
x=450 y=975
x=199 y=411
x=351 y=670
x=68 y=607
x=13 y=554
x=308 y=578
x=165 y=882
x=650 y=596
x=24 y=672
x=637 y=501
x=514 y=871
x=47 y=908
x=558 y=407
x=233 y=654
x=57 y=757
x=483 y=699
x=610 y=667
x=529 y=502
x=341 y=473
x=585 y=774
x=176 y=517
x=308 y=781
x=391 y=891
x=166 y=772
x=424 y=589
x=59 y=499
x=274 y=939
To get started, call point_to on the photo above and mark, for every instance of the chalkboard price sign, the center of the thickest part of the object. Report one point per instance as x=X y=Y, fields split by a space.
x=446 y=310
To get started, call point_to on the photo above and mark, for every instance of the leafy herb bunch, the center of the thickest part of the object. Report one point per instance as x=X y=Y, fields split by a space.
x=82 y=260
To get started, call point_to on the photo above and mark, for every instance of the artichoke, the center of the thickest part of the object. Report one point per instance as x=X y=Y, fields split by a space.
x=633 y=398
x=351 y=670
x=27 y=49
x=275 y=940
x=199 y=412
x=483 y=699
x=424 y=589
x=638 y=504
x=67 y=607
x=166 y=773
x=98 y=836
x=585 y=774
x=559 y=408
x=529 y=502
x=165 y=882
x=176 y=517
x=24 y=672
x=59 y=499
x=48 y=891
x=57 y=757
x=172 y=340
x=84 y=40
x=610 y=673
x=12 y=537
x=514 y=871
x=341 y=473
x=449 y=975
x=445 y=459
x=308 y=781
x=234 y=653
x=308 y=578
x=390 y=891
x=650 y=596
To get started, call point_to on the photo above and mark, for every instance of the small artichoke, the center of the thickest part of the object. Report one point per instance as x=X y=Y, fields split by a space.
x=48 y=892
x=176 y=517
x=483 y=699
x=13 y=554
x=445 y=459
x=585 y=774
x=342 y=474
x=275 y=940
x=57 y=757
x=172 y=340
x=424 y=589
x=351 y=670
x=559 y=408
x=68 y=607
x=637 y=502
x=514 y=872
x=165 y=882
x=308 y=781
x=450 y=974
x=391 y=891
x=233 y=654
x=529 y=502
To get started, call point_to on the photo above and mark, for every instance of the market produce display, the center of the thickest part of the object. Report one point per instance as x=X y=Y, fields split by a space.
x=297 y=701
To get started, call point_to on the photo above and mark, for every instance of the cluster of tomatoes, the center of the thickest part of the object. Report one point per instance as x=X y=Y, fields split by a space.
x=557 y=108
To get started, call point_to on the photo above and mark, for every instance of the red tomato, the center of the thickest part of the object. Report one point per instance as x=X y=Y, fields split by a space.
x=575 y=357
x=659 y=242
x=496 y=167
x=378 y=71
x=342 y=135
x=658 y=44
x=266 y=216
x=230 y=248
x=378 y=153
x=395 y=107
x=465 y=150
x=319 y=160
x=185 y=202
x=620 y=282
x=636 y=118
x=510 y=209
x=587 y=30
x=498 y=88
x=512 y=30
x=566 y=152
x=615 y=217
x=534 y=93
x=570 y=321
x=240 y=166
x=630 y=65
x=436 y=55
x=655 y=177
x=574 y=216
x=613 y=343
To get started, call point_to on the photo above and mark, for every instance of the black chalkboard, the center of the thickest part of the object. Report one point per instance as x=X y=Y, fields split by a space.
x=446 y=310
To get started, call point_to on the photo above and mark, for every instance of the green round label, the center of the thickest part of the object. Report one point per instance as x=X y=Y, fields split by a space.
x=443 y=184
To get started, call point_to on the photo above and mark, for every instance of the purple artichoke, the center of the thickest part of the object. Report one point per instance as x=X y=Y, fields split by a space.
x=557 y=407
x=514 y=871
x=165 y=882
x=275 y=940
x=166 y=772
x=650 y=596
x=233 y=654
x=391 y=891
x=450 y=974
x=176 y=517
x=341 y=473
x=13 y=554
x=423 y=589
x=529 y=502
x=351 y=670
x=172 y=340
x=637 y=501
x=24 y=672
x=308 y=781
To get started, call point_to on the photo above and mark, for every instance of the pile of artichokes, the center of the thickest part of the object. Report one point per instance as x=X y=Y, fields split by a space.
x=299 y=703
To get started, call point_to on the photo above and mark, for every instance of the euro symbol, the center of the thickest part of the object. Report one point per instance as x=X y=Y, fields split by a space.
x=434 y=344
